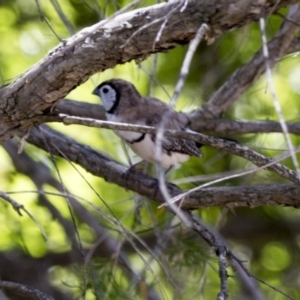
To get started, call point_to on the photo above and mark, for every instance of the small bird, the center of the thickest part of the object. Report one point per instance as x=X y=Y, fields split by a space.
x=124 y=104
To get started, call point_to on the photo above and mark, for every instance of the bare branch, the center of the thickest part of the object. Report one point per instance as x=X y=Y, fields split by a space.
x=40 y=175
x=216 y=126
x=294 y=11
x=100 y=165
x=242 y=78
x=244 y=196
x=232 y=127
x=160 y=132
x=18 y=207
x=229 y=146
x=74 y=60
x=63 y=17
x=24 y=290
x=223 y=295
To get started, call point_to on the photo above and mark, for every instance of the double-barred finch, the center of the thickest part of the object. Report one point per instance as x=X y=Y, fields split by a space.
x=123 y=103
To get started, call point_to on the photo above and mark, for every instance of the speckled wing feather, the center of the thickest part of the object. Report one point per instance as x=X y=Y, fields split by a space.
x=181 y=146
x=176 y=121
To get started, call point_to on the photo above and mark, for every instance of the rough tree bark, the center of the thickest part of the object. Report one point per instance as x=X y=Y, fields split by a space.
x=115 y=41
x=34 y=99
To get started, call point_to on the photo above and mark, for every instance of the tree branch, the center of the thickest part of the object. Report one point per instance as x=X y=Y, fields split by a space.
x=229 y=146
x=41 y=175
x=24 y=290
x=232 y=127
x=101 y=165
x=216 y=126
x=244 y=77
x=74 y=60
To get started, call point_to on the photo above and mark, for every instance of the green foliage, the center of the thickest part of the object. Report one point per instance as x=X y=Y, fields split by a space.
x=184 y=266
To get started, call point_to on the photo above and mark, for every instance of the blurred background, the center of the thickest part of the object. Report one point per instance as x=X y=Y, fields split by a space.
x=179 y=264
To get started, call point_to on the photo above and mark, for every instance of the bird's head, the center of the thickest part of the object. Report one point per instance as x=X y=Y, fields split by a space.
x=112 y=91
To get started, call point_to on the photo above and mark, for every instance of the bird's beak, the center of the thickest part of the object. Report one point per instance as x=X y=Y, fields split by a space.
x=95 y=92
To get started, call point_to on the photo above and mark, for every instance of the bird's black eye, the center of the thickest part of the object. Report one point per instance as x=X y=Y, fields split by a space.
x=105 y=90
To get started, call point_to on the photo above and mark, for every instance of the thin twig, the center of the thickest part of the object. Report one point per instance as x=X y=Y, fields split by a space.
x=240 y=174
x=246 y=75
x=276 y=103
x=221 y=250
x=113 y=219
x=229 y=146
x=37 y=223
x=160 y=132
x=44 y=18
x=163 y=25
x=222 y=253
x=63 y=17
x=18 y=207
x=233 y=257
x=184 y=71
x=71 y=214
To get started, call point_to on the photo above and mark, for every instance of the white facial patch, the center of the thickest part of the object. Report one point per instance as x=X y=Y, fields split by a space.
x=108 y=96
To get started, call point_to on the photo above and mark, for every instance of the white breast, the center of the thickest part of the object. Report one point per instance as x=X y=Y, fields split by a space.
x=125 y=135
x=146 y=148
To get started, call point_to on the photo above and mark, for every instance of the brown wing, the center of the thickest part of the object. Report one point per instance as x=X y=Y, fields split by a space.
x=176 y=121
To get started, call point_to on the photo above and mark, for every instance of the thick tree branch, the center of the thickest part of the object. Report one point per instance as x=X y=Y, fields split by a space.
x=76 y=59
x=81 y=109
x=245 y=196
x=232 y=127
x=100 y=165
x=227 y=145
x=214 y=126
x=24 y=290
x=212 y=239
